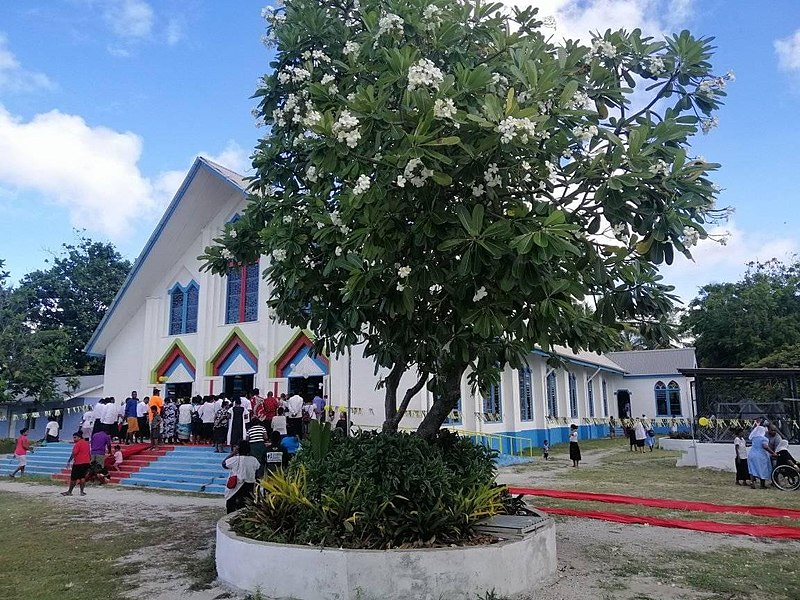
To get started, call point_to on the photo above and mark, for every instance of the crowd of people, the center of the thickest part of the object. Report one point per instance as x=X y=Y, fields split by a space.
x=263 y=433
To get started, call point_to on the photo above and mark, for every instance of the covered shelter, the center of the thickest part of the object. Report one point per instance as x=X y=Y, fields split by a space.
x=733 y=397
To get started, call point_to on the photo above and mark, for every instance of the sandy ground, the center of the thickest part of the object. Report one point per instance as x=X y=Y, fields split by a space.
x=586 y=548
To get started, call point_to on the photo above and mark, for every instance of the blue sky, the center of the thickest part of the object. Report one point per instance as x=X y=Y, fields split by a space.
x=105 y=103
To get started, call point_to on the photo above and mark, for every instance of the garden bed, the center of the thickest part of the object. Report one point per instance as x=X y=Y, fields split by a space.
x=322 y=573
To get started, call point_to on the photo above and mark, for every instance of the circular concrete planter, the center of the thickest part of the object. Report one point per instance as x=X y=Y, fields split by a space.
x=310 y=573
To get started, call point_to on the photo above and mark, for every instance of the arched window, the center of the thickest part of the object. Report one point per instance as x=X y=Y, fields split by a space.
x=552 y=395
x=241 y=302
x=668 y=399
x=525 y=395
x=183 y=304
x=573 y=396
x=590 y=397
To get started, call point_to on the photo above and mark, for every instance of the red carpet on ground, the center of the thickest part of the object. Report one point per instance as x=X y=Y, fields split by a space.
x=761 y=511
x=756 y=530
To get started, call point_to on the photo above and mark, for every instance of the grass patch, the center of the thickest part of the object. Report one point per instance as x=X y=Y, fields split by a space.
x=7 y=445
x=57 y=555
x=654 y=474
x=724 y=573
x=202 y=571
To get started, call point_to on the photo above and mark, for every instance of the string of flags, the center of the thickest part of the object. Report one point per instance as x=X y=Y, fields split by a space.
x=55 y=412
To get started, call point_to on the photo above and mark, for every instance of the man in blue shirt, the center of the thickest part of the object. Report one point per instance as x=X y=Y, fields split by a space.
x=131 y=418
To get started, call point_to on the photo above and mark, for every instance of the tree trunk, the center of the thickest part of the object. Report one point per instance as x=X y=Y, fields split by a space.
x=392 y=382
x=391 y=425
x=444 y=403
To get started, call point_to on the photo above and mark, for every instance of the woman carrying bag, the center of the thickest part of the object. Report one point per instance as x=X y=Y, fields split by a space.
x=242 y=478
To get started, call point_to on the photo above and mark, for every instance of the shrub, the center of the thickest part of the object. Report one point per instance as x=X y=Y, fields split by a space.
x=377 y=490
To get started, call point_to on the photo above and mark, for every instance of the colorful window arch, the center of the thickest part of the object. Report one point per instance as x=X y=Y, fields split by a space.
x=183 y=305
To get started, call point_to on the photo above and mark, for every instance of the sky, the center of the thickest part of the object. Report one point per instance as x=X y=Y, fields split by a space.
x=104 y=104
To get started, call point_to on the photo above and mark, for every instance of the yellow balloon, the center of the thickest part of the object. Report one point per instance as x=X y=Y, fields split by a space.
x=703 y=421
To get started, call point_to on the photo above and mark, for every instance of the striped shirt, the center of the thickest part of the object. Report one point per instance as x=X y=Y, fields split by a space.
x=256 y=434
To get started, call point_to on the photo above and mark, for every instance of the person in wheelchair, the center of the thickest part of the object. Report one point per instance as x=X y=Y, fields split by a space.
x=784 y=457
x=780 y=447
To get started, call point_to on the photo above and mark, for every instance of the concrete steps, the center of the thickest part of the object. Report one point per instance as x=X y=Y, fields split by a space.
x=179 y=468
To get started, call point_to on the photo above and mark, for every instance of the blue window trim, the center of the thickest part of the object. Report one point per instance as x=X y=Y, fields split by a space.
x=573 y=396
x=455 y=417
x=590 y=397
x=604 y=387
x=525 y=394
x=185 y=304
x=551 y=394
x=493 y=398
x=670 y=390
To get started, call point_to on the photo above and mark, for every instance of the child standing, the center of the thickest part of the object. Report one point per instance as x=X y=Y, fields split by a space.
x=574 y=448
x=546 y=450
x=155 y=427
x=117 y=458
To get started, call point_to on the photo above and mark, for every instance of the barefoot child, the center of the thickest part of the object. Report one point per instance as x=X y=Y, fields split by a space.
x=546 y=450
x=21 y=452
x=117 y=458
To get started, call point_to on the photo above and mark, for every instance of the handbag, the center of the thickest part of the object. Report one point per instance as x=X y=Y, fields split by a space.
x=233 y=479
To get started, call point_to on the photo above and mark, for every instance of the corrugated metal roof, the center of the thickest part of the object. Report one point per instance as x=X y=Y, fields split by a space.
x=655 y=362
x=590 y=358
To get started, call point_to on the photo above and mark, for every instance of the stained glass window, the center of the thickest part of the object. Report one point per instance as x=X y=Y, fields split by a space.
x=176 y=311
x=493 y=403
x=241 y=303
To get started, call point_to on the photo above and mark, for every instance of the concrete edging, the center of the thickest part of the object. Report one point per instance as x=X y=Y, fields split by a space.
x=312 y=573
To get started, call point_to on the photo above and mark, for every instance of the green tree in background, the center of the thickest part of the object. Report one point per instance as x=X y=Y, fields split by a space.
x=72 y=296
x=444 y=183
x=753 y=322
x=30 y=358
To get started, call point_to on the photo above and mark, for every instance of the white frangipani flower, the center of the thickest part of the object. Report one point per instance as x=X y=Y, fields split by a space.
x=480 y=294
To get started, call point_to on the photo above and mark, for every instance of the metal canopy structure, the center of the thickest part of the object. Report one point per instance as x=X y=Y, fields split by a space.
x=730 y=398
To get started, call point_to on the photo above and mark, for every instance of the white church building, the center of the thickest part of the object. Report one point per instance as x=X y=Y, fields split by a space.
x=189 y=332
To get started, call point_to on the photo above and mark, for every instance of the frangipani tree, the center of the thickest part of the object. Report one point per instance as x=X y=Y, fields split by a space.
x=444 y=183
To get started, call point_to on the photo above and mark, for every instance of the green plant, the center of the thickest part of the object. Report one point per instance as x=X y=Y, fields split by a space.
x=377 y=491
x=320 y=438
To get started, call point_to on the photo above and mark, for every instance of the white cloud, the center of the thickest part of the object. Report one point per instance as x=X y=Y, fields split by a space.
x=577 y=19
x=91 y=171
x=13 y=77
x=715 y=263
x=175 y=32
x=129 y=18
x=233 y=157
x=788 y=51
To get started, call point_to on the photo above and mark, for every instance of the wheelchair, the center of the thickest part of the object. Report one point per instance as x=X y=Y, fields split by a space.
x=786 y=478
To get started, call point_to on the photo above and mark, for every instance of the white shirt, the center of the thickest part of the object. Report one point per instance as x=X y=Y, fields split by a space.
x=141 y=409
x=207 y=412
x=295 y=406
x=185 y=414
x=741 y=447
x=279 y=424
x=639 y=430
x=88 y=419
x=51 y=428
x=109 y=416
x=246 y=404
x=244 y=467
x=217 y=404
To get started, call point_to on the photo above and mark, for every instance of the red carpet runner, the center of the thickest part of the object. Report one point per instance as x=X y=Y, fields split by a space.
x=756 y=530
x=760 y=511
